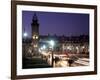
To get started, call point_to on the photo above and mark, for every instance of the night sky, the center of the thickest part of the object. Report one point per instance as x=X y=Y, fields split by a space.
x=68 y=24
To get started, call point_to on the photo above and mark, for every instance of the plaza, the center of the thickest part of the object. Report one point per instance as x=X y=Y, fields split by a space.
x=45 y=51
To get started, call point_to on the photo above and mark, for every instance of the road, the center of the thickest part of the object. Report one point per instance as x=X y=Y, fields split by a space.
x=79 y=62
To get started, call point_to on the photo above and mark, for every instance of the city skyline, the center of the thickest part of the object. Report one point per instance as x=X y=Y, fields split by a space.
x=68 y=24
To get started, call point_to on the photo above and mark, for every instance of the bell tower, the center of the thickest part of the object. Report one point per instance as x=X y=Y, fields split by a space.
x=35 y=34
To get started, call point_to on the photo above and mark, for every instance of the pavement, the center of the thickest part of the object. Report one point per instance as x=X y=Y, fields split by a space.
x=40 y=62
x=35 y=62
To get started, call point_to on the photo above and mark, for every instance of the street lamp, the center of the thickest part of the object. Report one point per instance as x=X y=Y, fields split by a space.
x=52 y=43
x=25 y=34
x=44 y=47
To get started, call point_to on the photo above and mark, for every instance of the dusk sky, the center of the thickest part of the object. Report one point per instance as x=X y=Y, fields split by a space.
x=68 y=24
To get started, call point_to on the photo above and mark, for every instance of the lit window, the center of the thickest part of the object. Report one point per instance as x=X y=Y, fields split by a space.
x=83 y=47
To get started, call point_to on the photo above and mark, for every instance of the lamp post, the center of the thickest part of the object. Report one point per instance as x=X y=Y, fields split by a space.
x=52 y=43
x=24 y=35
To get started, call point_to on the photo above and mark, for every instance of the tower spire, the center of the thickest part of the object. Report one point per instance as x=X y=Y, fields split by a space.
x=35 y=17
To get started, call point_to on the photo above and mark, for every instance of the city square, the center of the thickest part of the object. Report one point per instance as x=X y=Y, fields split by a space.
x=44 y=49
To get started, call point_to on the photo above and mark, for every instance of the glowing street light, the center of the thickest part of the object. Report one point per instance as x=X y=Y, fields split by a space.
x=52 y=43
x=25 y=34
x=44 y=47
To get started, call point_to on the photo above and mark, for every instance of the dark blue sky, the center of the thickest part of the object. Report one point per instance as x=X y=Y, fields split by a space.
x=68 y=24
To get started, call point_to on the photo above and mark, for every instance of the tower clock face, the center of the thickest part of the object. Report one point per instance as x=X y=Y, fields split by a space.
x=35 y=36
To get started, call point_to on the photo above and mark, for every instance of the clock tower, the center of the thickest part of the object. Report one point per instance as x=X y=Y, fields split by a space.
x=35 y=34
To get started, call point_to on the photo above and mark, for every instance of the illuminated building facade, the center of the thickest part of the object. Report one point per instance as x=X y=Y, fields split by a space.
x=70 y=44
